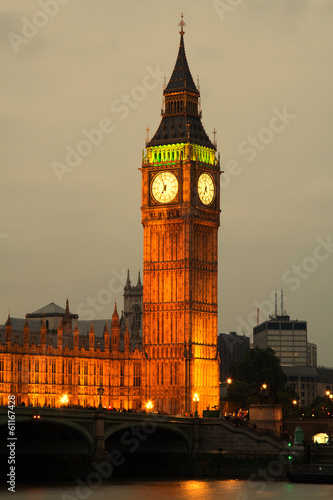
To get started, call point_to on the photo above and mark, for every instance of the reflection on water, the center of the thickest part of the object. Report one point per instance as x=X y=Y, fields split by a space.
x=178 y=489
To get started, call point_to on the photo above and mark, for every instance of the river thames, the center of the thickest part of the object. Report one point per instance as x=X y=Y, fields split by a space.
x=177 y=489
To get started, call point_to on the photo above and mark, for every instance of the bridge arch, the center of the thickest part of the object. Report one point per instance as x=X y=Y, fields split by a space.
x=148 y=435
x=50 y=430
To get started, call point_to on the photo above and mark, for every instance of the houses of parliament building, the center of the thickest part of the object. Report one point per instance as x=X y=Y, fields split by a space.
x=163 y=347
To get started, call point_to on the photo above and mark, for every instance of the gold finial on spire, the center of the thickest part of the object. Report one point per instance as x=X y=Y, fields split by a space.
x=214 y=132
x=182 y=25
x=147 y=130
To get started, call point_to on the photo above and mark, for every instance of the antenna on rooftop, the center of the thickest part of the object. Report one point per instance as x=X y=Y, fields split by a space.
x=275 y=304
x=281 y=302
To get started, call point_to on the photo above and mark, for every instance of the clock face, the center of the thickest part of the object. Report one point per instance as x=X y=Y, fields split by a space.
x=206 y=189
x=164 y=187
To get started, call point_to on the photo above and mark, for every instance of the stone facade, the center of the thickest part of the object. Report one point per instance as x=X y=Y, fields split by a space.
x=180 y=218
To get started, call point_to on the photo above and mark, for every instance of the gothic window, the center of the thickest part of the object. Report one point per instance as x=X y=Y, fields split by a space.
x=101 y=374
x=85 y=377
x=122 y=374
x=69 y=370
x=2 y=369
x=53 y=370
x=136 y=375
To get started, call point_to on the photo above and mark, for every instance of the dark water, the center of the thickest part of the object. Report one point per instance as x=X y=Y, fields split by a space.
x=178 y=489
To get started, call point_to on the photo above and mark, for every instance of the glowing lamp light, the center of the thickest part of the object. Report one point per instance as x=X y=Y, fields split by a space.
x=229 y=380
x=149 y=406
x=264 y=386
x=64 y=399
x=294 y=402
x=196 y=400
x=328 y=393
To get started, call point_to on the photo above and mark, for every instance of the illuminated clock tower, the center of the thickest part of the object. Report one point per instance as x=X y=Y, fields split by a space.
x=180 y=217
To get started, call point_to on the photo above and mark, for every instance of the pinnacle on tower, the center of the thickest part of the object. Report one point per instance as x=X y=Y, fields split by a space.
x=115 y=312
x=128 y=280
x=139 y=280
x=181 y=115
x=76 y=327
x=8 y=322
x=26 y=325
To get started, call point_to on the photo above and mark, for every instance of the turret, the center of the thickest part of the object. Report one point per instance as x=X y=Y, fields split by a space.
x=126 y=340
x=91 y=338
x=106 y=338
x=43 y=335
x=128 y=280
x=76 y=337
x=67 y=321
x=26 y=330
x=115 y=329
x=60 y=335
x=8 y=330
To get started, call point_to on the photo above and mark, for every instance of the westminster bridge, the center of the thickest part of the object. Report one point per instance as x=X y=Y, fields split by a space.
x=70 y=436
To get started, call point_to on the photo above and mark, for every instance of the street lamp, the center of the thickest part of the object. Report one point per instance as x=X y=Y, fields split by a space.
x=64 y=399
x=196 y=400
x=330 y=396
x=149 y=406
x=100 y=392
x=229 y=380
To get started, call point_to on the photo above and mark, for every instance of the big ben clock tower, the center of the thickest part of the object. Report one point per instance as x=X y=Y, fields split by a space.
x=180 y=217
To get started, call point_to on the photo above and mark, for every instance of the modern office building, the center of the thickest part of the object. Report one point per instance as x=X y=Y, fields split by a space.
x=288 y=338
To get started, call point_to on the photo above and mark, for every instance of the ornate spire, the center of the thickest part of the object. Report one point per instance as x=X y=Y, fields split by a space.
x=181 y=112
x=128 y=280
x=181 y=78
x=106 y=328
x=8 y=322
x=76 y=327
x=139 y=280
x=182 y=26
x=115 y=312
x=26 y=324
x=67 y=309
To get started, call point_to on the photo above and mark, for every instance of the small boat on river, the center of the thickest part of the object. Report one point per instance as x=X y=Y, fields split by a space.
x=311 y=473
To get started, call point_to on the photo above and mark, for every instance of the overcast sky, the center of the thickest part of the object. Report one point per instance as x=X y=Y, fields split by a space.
x=70 y=196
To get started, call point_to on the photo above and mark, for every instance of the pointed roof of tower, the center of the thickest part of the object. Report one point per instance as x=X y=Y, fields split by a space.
x=115 y=314
x=181 y=78
x=8 y=322
x=92 y=328
x=180 y=122
x=128 y=280
x=26 y=324
x=139 y=280
x=76 y=329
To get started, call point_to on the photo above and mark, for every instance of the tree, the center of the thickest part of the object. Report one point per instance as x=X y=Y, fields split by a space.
x=238 y=392
x=259 y=367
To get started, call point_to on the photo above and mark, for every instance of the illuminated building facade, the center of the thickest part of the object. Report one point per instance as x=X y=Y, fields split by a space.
x=180 y=217
x=40 y=364
x=174 y=355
